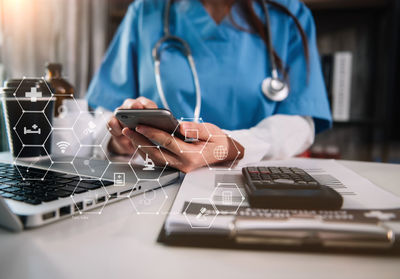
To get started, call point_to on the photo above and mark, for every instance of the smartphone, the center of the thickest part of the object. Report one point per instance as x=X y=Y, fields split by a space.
x=158 y=118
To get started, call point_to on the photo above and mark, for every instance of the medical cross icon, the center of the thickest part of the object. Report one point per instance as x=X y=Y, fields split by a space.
x=119 y=179
x=34 y=94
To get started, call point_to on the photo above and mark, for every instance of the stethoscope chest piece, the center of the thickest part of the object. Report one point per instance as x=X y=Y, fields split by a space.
x=275 y=89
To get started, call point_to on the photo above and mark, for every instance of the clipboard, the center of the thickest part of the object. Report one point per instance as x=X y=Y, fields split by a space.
x=369 y=221
x=354 y=231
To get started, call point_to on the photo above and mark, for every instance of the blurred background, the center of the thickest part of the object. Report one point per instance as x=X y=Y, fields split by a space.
x=358 y=42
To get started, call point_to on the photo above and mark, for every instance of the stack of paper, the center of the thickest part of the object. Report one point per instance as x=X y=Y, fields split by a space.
x=209 y=200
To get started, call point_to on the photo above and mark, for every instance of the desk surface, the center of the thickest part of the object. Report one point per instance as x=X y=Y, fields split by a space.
x=121 y=244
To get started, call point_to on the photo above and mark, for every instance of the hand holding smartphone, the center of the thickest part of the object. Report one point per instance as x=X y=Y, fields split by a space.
x=157 y=118
x=195 y=149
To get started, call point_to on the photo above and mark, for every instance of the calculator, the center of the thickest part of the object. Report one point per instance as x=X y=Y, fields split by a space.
x=287 y=188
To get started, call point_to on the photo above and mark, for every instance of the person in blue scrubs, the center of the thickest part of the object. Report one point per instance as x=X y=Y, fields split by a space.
x=231 y=58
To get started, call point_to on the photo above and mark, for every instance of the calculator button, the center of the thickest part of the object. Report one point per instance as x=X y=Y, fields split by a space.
x=284 y=181
x=297 y=170
x=265 y=176
x=255 y=177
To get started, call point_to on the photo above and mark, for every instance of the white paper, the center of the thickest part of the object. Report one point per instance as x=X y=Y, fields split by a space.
x=200 y=187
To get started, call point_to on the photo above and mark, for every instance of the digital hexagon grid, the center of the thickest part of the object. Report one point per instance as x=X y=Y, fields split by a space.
x=74 y=123
x=149 y=202
x=142 y=203
x=82 y=131
x=26 y=125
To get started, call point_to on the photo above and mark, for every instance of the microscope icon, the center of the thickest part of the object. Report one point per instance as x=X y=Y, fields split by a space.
x=148 y=164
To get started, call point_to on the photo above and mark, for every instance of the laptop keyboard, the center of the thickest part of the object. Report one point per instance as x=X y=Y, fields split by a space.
x=56 y=185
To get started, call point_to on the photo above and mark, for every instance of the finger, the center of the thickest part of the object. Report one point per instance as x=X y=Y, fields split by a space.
x=147 y=103
x=162 y=138
x=121 y=145
x=191 y=129
x=160 y=158
x=164 y=157
x=132 y=104
x=126 y=144
x=136 y=138
x=115 y=126
x=137 y=141
x=175 y=160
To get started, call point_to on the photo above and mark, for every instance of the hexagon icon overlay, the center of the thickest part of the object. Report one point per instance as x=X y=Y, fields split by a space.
x=200 y=213
x=87 y=163
x=149 y=202
x=123 y=177
x=220 y=152
x=189 y=136
x=65 y=145
x=33 y=128
x=67 y=112
x=88 y=127
x=33 y=94
x=33 y=168
x=153 y=165
x=227 y=198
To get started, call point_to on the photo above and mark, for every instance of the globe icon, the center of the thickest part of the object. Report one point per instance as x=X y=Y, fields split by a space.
x=220 y=152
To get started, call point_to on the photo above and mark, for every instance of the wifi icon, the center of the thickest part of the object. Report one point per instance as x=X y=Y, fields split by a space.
x=63 y=145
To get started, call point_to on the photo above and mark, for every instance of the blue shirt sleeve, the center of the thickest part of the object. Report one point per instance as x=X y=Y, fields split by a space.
x=116 y=79
x=308 y=96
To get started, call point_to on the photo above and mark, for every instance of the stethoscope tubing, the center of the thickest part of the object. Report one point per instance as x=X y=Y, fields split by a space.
x=275 y=94
x=184 y=47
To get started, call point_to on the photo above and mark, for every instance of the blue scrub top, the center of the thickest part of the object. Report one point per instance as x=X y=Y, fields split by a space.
x=231 y=65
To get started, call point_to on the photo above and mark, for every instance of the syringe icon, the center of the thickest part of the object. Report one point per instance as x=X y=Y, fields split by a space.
x=201 y=215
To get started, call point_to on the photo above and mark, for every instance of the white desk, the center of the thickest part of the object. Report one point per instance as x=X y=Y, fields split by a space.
x=121 y=244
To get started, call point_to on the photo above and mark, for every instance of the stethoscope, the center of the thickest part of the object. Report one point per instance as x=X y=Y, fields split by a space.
x=274 y=88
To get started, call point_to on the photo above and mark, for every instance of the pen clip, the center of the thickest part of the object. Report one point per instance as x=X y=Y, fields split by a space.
x=310 y=231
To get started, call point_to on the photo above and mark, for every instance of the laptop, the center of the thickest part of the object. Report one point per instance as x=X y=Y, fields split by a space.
x=37 y=193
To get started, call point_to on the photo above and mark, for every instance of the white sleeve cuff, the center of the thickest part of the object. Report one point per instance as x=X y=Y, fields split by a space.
x=254 y=148
x=274 y=138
